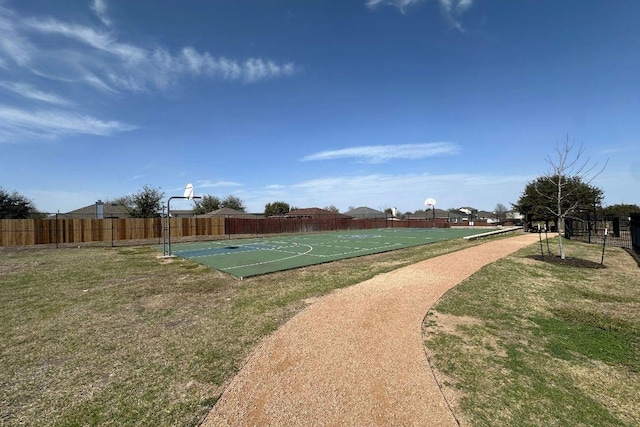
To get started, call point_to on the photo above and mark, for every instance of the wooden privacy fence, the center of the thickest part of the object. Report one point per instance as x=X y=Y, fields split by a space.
x=24 y=232
x=260 y=225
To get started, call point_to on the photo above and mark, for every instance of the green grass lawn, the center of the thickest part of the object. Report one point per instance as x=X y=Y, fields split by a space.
x=526 y=342
x=115 y=336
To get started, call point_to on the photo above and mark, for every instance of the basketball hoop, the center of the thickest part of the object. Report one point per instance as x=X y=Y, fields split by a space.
x=188 y=192
x=429 y=203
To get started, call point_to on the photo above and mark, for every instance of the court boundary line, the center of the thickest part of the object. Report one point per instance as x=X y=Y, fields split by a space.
x=342 y=239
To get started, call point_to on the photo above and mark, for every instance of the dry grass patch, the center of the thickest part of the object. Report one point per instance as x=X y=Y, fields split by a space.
x=116 y=336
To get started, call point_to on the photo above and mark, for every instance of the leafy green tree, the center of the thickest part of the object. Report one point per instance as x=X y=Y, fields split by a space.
x=233 y=202
x=207 y=204
x=146 y=203
x=539 y=198
x=619 y=210
x=276 y=208
x=15 y=206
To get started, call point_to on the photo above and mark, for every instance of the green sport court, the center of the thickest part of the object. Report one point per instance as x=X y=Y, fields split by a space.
x=251 y=257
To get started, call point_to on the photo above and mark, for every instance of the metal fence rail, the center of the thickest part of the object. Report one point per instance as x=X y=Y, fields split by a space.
x=592 y=230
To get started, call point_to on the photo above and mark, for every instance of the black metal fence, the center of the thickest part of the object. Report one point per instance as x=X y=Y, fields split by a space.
x=634 y=226
x=592 y=229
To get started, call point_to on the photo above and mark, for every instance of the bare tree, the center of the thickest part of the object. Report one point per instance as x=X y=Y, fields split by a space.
x=501 y=212
x=567 y=168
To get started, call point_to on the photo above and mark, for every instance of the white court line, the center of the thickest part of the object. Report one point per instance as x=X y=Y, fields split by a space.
x=233 y=252
x=272 y=261
x=356 y=250
x=284 y=245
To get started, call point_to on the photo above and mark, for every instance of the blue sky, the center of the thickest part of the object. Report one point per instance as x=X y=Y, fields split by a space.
x=378 y=103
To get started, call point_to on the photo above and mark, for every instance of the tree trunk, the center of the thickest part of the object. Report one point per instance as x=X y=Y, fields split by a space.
x=560 y=230
x=560 y=215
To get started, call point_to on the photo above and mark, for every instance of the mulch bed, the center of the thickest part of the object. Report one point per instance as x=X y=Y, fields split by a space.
x=568 y=261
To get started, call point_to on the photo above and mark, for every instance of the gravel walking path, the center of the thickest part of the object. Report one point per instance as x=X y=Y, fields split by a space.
x=356 y=356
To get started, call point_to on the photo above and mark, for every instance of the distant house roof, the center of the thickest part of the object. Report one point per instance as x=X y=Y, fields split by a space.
x=454 y=214
x=469 y=208
x=514 y=215
x=440 y=214
x=109 y=210
x=365 y=213
x=314 y=213
x=485 y=215
x=188 y=213
x=227 y=212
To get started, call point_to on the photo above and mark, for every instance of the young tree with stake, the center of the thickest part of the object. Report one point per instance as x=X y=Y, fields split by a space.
x=564 y=190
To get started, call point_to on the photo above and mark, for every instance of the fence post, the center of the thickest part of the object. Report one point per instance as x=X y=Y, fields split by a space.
x=616 y=226
x=634 y=228
x=56 y=232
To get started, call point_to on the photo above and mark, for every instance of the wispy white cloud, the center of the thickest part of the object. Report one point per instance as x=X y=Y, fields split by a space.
x=14 y=47
x=16 y=124
x=619 y=149
x=451 y=9
x=407 y=192
x=100 y=9
x=135 y=68
x=250 y=70
x=384 y=153
x=30 y=92
x=98 y=83
x=463 y=5
x=216 y=184
x=34 y=50
x=400 y=4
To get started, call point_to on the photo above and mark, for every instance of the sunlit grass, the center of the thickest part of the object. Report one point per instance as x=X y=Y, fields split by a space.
x=527 y=342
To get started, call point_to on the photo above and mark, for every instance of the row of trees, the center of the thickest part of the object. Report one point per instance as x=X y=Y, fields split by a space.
x=147 y=203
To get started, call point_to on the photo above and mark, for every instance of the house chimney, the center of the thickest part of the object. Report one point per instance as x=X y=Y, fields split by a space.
x=99 y=210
